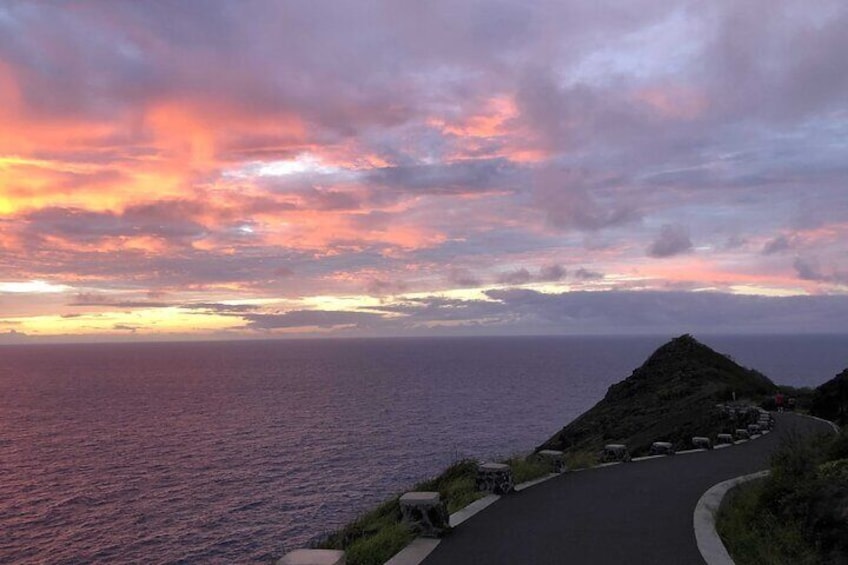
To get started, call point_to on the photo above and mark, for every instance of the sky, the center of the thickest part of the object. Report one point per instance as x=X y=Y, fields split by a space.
x=219 y=170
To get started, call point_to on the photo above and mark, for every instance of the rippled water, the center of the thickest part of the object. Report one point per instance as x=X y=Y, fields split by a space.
x=239 y=452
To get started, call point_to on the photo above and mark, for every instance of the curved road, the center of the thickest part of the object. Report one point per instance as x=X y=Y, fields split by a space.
x=637 y=512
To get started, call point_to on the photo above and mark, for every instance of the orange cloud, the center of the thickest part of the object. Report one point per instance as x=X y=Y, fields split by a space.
x=157 y=152
x=702 y=271
x=490 y=121
x=493 y=130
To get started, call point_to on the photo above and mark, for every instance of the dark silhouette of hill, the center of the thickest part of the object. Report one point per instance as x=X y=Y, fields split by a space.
x=671 y=397
x=830 y=400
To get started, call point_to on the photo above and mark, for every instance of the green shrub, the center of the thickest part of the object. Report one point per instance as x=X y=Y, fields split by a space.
x=581 y=459
x=796 y=515
x=456 y=485
x=838 y=448
x=789 y=490
x=754 y=536
x=835 y=471
x=367 y=525
x=380 y=547
x=528 y=468
x=376 y=536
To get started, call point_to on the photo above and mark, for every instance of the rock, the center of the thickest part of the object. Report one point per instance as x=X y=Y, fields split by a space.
x=554 y=458
x=724 y=439
x=425 y=513
x=615 y=452
x=662 y=448
x=701 y=442
x=495 y=478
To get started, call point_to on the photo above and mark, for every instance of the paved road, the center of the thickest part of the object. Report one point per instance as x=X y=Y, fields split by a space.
x=637 y=512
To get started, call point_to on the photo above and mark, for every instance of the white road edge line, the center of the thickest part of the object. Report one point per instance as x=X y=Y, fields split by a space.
x=414 y=553
x=831 y=424
x=464 y=514
x=527 y=484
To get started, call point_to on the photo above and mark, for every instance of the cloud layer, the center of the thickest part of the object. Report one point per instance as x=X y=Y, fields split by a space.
x=311 y=166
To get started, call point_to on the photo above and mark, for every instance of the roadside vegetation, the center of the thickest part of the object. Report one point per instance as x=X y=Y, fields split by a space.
x=797 y=515
x=372 y=539
x=376 y=536
x=527 y=468
x=581 y=459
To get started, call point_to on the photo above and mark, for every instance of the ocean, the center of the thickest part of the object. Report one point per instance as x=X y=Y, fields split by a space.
x=241 y=451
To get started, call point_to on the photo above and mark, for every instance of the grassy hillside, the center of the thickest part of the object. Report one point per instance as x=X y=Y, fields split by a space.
x=671 y=397
x=797 y=514
x=830 y=400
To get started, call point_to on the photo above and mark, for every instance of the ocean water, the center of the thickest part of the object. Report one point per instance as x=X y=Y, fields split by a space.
x=241 y=451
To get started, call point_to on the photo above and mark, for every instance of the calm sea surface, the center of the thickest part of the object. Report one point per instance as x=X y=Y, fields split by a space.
x=241 y=451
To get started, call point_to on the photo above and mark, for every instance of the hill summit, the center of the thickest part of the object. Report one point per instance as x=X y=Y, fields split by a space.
x=671 y=397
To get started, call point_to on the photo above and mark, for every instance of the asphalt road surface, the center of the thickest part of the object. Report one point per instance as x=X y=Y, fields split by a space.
x=638 y=512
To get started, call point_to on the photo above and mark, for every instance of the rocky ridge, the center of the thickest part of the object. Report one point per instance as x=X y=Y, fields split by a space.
x=671 y=397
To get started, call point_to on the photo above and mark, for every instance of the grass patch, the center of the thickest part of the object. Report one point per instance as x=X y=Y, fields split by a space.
x=581 y=459
x=527 y=468
x=380 y=547
x=456 y=485
x=797 y=514
x=754 y=536
x=385 y=516
x=375 y=537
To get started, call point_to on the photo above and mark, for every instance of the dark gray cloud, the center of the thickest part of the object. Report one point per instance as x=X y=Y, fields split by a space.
x=810 y=269
x=524 y=310
x=328 y=199
x=747 y=65
x=463 y=277
x=547 y=273
x=777 y=245
x=807 y=270
x=567 y=200
x=637 y=311
x=468 y=176
x=519 y=276
x=310 y=318
x=580 y=115
x=735 y=241
x=168 y=220
x=584 y=274
x=673 y=239
x=99 y=299
x=190 y=268
x=418 y=311
x=552 y=273
x=218 y=308
x=382 y=287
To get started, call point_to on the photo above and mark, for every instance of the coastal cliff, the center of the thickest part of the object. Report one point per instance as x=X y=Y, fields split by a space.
x=671 y=397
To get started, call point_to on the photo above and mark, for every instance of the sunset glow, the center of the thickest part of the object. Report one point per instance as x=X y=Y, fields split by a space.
x=191 y=170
